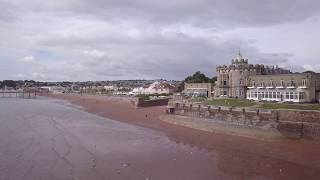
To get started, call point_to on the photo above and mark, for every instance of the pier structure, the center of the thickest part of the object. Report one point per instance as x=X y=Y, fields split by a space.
x=19 y=94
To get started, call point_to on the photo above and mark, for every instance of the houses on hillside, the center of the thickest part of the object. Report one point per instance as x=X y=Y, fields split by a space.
x=123 y=87
x=158 y=87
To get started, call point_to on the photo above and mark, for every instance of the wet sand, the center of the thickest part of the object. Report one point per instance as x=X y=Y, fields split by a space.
x=249 y=154
x=51 y=139
x=41 y=139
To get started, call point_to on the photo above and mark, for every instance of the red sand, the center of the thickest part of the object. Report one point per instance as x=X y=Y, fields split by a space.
x=293 y=151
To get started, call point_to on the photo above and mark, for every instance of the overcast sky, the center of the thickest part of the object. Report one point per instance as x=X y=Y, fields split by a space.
x=57 y=40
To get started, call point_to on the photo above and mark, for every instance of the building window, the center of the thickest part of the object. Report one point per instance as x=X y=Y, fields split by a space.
x=271 y=82
x=278 y=95
x=291 y=83
x=287 y=95
x=304 y=83
x=224 y=93
x=301 y=95
x=224 y=82
x=253 y=83
x=291 y=95
x=281 y=83
x=274 y=95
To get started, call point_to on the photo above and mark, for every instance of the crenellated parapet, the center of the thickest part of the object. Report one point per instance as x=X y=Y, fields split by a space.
x=242 y=67
x=262 y=69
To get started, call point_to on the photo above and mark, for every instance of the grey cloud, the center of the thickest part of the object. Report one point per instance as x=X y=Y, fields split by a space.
x=8 y=12
x=199 y=12
x=174 y=61
x=112 y=39
x=206 y=12
x=172 y=56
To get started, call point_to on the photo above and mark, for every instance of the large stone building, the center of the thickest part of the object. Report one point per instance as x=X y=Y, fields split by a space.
x=232 y=79
x=296 y=87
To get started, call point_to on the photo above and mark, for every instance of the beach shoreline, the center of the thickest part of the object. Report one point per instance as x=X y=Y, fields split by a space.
x=120 y=109
x=154 y=117
x=89 y=145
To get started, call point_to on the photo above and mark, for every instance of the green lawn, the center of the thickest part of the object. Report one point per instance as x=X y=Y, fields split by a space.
x=246 y=103
x=198 y=99
x=290 y=106
x=230 y=102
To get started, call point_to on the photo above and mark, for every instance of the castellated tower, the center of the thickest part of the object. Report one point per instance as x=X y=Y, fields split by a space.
x=231 y=80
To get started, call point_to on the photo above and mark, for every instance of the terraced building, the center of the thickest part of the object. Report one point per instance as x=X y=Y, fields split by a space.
x=294 y=87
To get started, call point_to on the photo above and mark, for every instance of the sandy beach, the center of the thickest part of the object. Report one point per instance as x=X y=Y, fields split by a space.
x=92 y=137
x=121 y=109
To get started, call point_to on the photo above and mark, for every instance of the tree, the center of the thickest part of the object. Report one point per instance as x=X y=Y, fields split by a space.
x=9 y=83
x=308 y=72
x=199 y=77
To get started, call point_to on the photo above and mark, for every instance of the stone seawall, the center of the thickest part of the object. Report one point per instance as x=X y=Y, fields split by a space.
x=293 y=124
x=148 y=103
x=300 y=124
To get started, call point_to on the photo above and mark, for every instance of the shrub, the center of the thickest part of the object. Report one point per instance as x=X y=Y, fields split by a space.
x=143 y=97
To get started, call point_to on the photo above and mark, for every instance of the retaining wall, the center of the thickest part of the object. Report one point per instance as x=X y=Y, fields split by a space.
x=148 y=103
x=290 y=123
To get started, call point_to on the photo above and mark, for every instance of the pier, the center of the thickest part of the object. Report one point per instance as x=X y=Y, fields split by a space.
x=19 y=94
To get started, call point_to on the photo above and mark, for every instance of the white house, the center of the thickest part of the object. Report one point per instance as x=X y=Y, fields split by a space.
x=53 y=89
x=158 y=87
x=111 y=88
x=137 y=91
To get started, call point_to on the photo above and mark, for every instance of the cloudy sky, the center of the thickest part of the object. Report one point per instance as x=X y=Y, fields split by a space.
x=56 y=40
